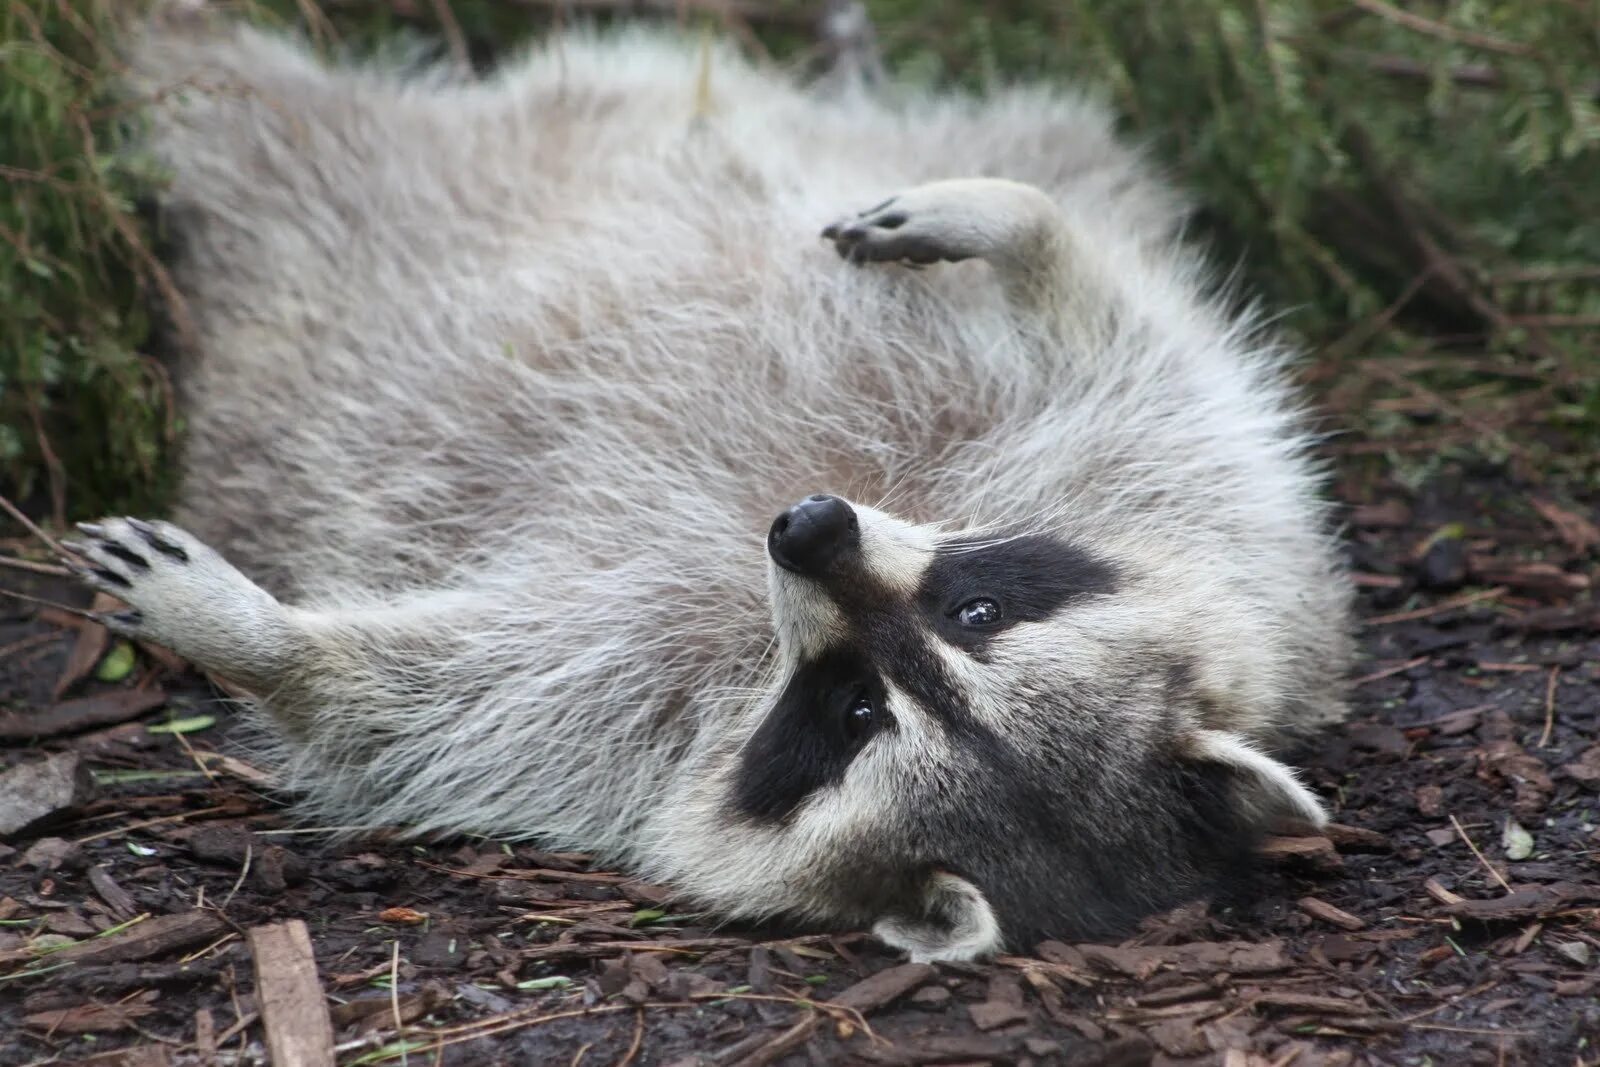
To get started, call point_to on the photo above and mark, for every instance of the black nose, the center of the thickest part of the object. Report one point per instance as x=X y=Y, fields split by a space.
x=812 y=534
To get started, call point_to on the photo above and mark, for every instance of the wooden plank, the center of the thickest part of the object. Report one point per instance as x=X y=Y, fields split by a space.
x=289 y=996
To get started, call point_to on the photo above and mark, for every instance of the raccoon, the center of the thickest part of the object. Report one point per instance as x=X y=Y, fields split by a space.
x=570 y=458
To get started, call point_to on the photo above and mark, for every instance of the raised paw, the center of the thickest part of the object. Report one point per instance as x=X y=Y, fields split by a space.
x=881 y=234
x=181 y=594
x=1008 y=223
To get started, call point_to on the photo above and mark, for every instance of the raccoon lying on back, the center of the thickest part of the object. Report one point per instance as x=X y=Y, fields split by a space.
x=499 y=386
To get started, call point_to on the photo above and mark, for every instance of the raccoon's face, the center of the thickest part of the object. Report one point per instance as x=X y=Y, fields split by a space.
x=974 y=742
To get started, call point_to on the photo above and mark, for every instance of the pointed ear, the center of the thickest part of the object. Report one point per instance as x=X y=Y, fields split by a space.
x=952 y=921
x=1269 y=793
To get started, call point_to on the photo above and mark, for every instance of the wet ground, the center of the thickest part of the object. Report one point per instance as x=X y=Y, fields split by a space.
x=1451 y=917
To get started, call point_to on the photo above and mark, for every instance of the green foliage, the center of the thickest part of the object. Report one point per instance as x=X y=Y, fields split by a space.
x=85 y=420
x=1298 y=123
x=1393 y=175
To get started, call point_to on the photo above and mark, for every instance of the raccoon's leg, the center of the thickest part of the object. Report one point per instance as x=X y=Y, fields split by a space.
x=1015 y=227
x=185 y=596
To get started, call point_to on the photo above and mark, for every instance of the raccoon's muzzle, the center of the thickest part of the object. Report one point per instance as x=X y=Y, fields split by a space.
x=809 y=538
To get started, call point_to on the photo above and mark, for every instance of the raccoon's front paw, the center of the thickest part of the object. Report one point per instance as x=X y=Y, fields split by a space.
x=181 y=594
x=1008 y=223
x=893 y=232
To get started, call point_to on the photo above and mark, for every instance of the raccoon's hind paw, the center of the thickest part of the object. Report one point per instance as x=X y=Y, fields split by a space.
x=180 y=594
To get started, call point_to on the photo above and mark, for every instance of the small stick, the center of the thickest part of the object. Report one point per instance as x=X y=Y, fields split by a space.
x=394 y=993
x=1486 y=864
x=91 y=616
x=1443 y=31
x=244 y=869
x=1438 y=609
x=638 y=1039
x=1389 y=671
x=1549 y=706
x=55 y=546
x=30 y=566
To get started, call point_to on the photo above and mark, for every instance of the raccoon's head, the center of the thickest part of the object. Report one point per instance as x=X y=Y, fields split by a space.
x=973 y=742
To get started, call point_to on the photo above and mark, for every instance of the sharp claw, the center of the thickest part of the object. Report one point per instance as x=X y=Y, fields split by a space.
x=130 y=618
x=76 y=547
x=132 y=559
x=90 y=528
x=110 y=577
x=153 y=538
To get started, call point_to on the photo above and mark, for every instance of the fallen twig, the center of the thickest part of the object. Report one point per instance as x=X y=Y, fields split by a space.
x=1440 y=608
x=1486 y=864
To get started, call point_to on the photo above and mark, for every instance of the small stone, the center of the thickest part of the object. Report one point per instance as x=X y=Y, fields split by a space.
x=1576 y=951
x=1443 y=566
x=33 y=794
x=1430 y=801
x=51 y=853
x=440 y=948
x=931 y=998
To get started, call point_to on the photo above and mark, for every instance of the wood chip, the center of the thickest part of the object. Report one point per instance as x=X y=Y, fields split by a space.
x=1356 y=837
x=1536 y=902
x=88 y=1018
x=160 y=936
x=1321 y=909
x=116 y=898
x=1578 y=532
x=1317 y=852
x=875 y=991
x=293 y=1012
x=1307 y=1002
x=1437 y=891
x=103 y=709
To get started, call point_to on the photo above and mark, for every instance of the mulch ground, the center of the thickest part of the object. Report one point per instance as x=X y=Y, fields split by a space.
x=1451 y=917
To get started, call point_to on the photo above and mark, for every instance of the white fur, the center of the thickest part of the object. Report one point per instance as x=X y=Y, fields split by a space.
x=500 y=384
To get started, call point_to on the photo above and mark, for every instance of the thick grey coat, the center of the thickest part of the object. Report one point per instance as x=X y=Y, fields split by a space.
x=498 y=386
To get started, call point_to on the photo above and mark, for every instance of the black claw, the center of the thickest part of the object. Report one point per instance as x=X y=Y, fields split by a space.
x=132 y=559
x=110 y=577
x=131 y=617
x=156 y=541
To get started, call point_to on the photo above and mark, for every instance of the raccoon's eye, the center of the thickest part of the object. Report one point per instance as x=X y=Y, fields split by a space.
x=859 y=715
x=978 y=613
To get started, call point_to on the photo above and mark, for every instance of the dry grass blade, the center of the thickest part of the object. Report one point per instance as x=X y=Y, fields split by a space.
x=1496 y=875
x=1549 y=707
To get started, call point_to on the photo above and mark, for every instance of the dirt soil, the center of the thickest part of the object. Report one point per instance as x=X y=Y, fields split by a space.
x=1449 y=918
